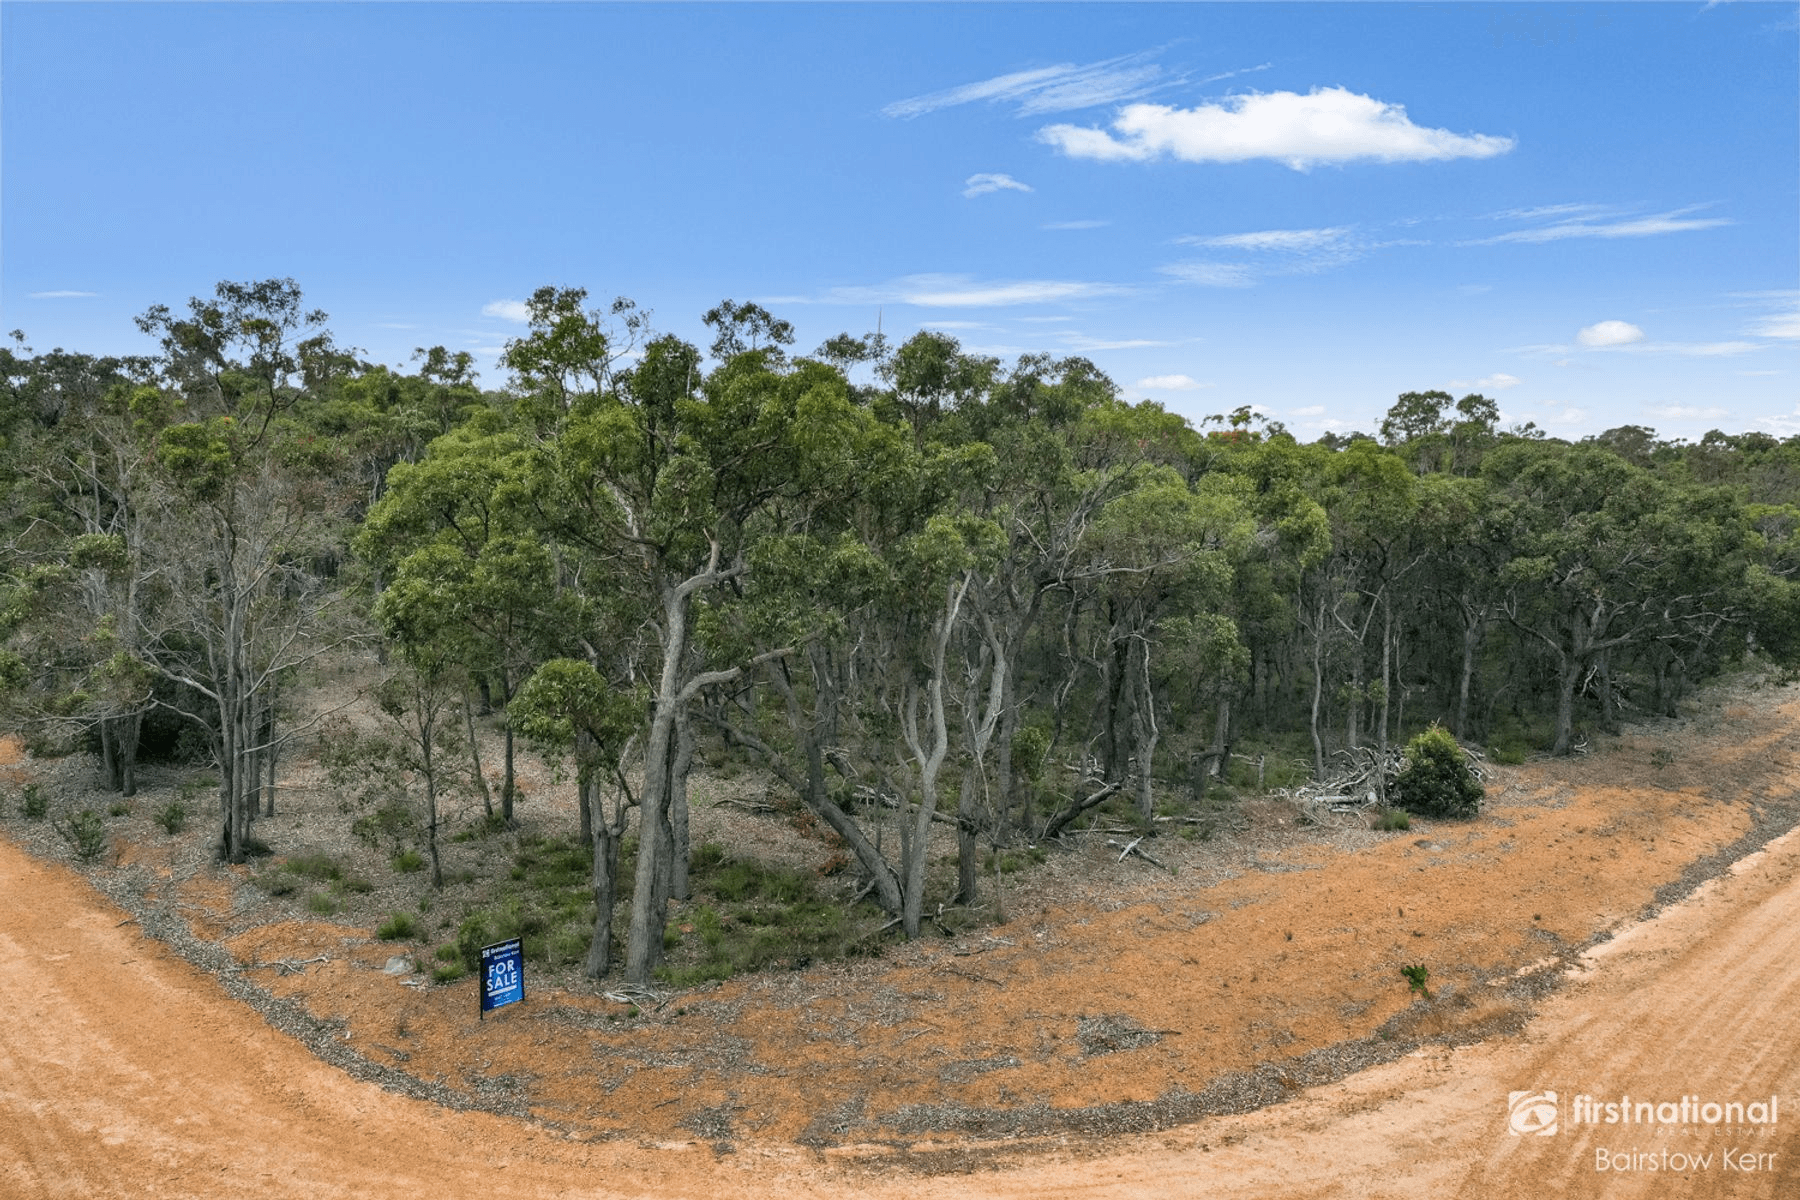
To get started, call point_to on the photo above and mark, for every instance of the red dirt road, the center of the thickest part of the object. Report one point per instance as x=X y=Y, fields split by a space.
x=125 y=1072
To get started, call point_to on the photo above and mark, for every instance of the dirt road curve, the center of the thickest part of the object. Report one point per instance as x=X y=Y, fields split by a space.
x=125 y=1072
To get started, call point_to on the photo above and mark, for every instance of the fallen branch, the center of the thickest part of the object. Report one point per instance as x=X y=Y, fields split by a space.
x=288 y=966
x=1061 y=820
x=639 y=996
x=1130 y=848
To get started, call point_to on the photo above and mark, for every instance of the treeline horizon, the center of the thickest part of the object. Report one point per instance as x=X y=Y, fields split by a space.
x=908 y=599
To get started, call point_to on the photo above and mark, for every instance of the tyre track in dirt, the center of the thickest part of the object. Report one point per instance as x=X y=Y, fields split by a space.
x=126 y=1072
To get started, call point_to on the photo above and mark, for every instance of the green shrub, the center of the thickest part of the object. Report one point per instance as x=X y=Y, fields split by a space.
x=398 y=928
x=354 y=883
x=86 y=834
x=448 y=953
x=1393 y=820
x=448 y=973
x=1435 y=779
x=120 y=808
x=568 y=944
x=1416 y=975
x=172 y=817
x=321 y=867
x=408 y=861
x=391 y=823
x=35 y=805
x=322 y=904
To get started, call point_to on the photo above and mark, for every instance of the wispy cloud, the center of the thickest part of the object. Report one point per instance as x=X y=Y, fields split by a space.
x=1075 y=224
x=1272 y=239
x=954 y=325
x=1615 y=336
x=62 y=294
x=1211 y=274
x=507 y=310
x=1541 y=211
x=1172 y=383
x=1702 y=349
x=963 y=291
x=1236 y=73
x=985 y=182
x=1275 y=251
x=1688 y=412
x=1499 y=381
x=1593 y=225
x=1061 y=88
x=1081 y=341
x=1326 y=126
x=1785 y=326
x=1786 y=424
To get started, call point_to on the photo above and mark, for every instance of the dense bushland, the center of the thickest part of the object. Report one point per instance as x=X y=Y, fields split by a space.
x=916 y=585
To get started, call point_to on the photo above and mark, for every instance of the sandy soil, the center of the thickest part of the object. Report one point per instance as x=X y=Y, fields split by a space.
x=1074 y=1051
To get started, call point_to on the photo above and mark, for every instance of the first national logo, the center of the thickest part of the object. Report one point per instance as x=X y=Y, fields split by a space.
x=1531 y=1113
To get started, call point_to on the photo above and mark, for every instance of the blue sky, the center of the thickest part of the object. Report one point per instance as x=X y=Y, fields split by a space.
x=1588 y=212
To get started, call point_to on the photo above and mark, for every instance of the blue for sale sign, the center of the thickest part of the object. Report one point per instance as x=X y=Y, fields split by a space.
x=502 y=974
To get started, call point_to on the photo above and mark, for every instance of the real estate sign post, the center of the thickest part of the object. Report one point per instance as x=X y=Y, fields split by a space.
x=502 y=974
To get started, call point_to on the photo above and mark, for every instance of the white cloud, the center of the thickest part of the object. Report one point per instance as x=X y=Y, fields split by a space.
x=1081 y=341
x=1499 y=381
x=1172 y=383
x=1756 y=373
x=1277 y=251
x=1272 y=239
x=1227 y=275
x=62 y=294
x=954 y=325
x=1236 y=73
x=1062 y=88
x=985 y=182
x=1778 y=325
x=1610 y=333
x=1550 y=210
x=1786 y=424
x=1590 y=227
x=960 y=291
x=507 y=310
x=1328 y=125
x=1311 y=410
x=1075 y=225
x=1568 y=416
x=1686 y=412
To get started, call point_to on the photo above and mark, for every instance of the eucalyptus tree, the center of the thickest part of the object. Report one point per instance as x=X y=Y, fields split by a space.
x=568 y=706
x=242 y=521
x=657 y=483
x=467 y=563
x=1372 y=502
x=82 y=433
